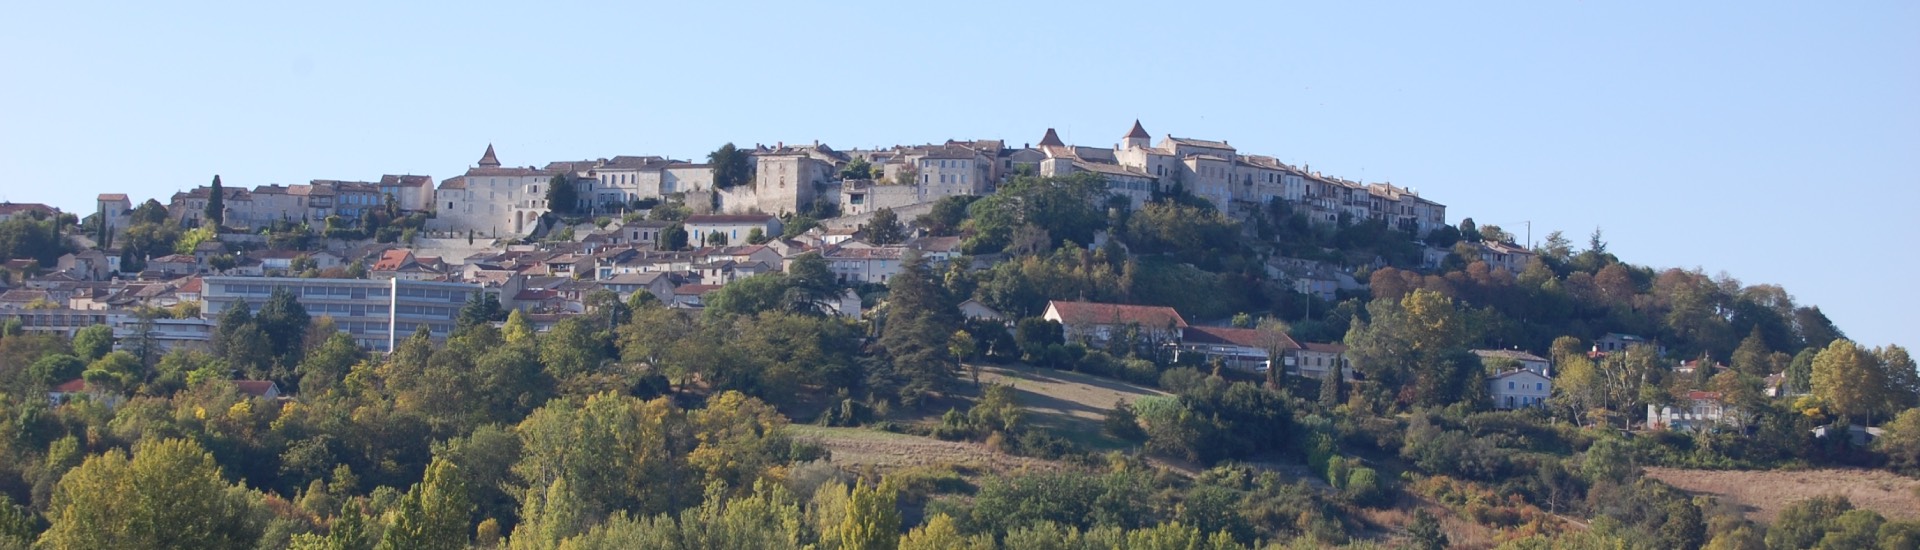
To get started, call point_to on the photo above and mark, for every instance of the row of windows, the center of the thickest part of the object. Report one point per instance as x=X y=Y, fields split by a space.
x=929 y=163
x=429 y=311
x=315 y=291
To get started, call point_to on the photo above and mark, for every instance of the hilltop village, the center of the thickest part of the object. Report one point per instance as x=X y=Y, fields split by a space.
x=1155 y=344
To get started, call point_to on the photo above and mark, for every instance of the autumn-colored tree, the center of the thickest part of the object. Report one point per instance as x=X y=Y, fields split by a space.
x=872 y=520
x=1850 y=380
x=168 y=495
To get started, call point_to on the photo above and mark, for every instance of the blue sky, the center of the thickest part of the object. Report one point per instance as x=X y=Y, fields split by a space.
x=1767 y=140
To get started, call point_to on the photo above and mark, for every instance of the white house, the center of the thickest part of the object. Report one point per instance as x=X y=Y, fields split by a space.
x=1520 y=388
x=491 y=200
x=1312 y=360
x=733 y=228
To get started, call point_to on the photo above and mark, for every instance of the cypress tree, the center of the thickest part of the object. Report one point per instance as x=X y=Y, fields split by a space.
x=216 y=203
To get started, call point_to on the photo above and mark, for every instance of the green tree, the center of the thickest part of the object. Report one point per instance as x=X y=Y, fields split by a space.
x=54 y=369
x=434 y=514
x=481 y=307
x=1901 y=441
x=857 y=169
x=731 y=166
x=117 y=372
x=574 y=346
x=1753 y=357
x=673 y=237
x=1802 y=524
x=1425 y=532
x=1271 y=334
x=216 y=203
x=920 y=319
x=284 y=322
x=93 y=342
x=329 y=363
x=562 y=196
x=885 y=227
x=168 y=495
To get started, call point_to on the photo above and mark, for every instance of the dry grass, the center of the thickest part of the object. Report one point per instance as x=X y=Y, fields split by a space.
x=1069 y=404
x=1763 y=494
x=856 y=447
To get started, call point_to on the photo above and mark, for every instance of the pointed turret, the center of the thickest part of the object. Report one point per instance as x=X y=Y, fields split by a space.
x=1138 y=138
x=1051 y=139
x=488 y=160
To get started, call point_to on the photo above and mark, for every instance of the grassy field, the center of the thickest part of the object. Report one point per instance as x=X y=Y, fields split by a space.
x=1764 y=494
x=855 y=447
x=1069 y=404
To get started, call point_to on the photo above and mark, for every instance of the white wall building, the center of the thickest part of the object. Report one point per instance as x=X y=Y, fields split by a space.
x=491 y=200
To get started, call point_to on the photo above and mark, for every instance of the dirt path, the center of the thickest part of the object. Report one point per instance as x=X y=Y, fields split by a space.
x=1764 y=493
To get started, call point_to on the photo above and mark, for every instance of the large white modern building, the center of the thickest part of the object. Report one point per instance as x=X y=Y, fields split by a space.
x=377 y=313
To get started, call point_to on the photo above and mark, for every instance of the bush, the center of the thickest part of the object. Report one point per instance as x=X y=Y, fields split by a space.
x=1363 y=486
x=1122 y=424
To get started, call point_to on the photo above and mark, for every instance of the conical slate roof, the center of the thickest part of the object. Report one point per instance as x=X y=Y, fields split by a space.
x=488 y=160
x=1051 y=139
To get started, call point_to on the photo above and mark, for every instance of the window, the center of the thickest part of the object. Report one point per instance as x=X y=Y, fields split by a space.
x=1509 y=384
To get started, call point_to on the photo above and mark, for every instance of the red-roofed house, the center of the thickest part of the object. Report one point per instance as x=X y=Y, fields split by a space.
x=79 y=388
x=1098 y=323
x=1240 y=348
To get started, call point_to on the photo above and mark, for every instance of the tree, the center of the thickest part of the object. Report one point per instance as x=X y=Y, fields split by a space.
x=168 y=495
x=1901 y=441
x=562 y=196
x=872 y=520
x=117 y=372
x=946 y=216
x=481 y=307
x=1273 y=339
x=731 y=166
x=1903 y=378
x=885 y=227
x=216 y=203
x=756 y=236
x=920 y=318
x=1425 y=533
x=1753 y=357
x=1849 y=379
x=857 y=169
x=673 y=237
x=1803 y=523
x=434 y=514
x=962 y=347
x=93 y=342
x=285 y=322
